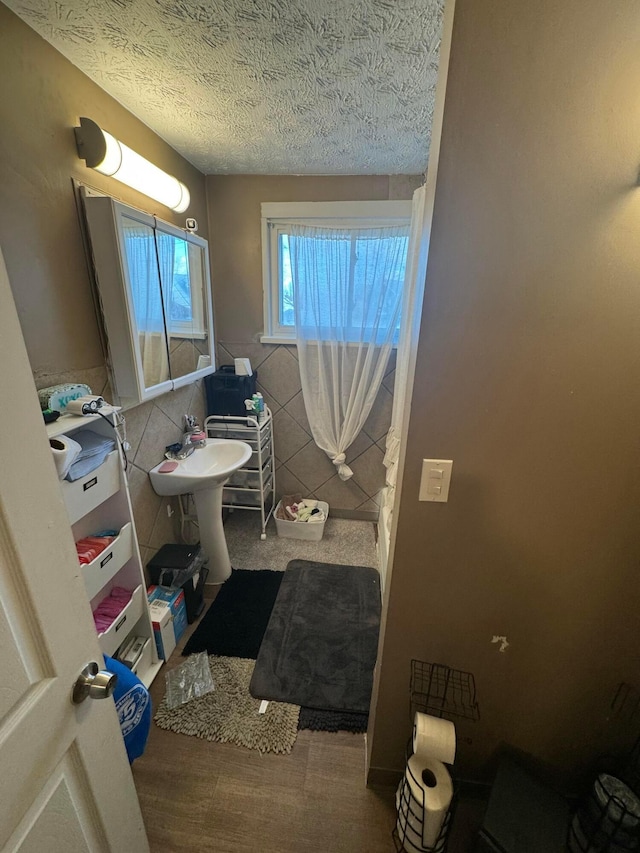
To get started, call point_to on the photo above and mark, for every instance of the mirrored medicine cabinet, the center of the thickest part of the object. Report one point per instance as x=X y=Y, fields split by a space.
x=154 y=288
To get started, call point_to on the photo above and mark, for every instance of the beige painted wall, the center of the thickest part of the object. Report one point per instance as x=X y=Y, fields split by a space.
x=528 y=376
x=42 y=95
x=235 y=235
x=236 y=248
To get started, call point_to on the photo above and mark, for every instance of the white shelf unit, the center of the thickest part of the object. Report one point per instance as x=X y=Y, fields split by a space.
x=254 y=486
x=100 y=501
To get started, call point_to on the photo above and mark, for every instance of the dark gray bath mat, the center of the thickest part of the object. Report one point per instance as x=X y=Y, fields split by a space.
x=332 y=721
x=320 y=646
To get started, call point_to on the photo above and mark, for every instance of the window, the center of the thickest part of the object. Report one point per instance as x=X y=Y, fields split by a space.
x=155 y=256
x=277 y=219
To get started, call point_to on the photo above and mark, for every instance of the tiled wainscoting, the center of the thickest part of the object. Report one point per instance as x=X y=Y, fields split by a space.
x=301 y=467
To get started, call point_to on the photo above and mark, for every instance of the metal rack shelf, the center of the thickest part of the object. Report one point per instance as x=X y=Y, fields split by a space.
x=441 y=691
x=252 y=487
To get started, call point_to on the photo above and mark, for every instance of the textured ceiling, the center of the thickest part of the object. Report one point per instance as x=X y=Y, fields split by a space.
x=263 y=86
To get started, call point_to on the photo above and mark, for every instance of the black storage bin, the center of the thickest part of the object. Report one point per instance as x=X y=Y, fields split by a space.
x=176 y=566
x=226 y=391
x=194 y=595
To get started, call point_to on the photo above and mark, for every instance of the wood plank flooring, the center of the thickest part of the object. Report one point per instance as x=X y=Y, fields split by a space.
x=206 y=797
x=201 y=796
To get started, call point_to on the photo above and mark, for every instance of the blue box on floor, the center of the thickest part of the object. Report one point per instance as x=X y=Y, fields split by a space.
x=174 y=600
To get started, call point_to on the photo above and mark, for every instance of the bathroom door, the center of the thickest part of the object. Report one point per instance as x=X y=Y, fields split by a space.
x=65 y=783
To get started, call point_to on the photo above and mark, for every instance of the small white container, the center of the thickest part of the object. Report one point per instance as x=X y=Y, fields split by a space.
x=311 y=531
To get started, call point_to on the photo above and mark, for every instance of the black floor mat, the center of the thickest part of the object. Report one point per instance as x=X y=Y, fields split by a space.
x=235 y=623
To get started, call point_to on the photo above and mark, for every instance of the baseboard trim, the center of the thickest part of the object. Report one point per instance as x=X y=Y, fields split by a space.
x=382 y=777
x=355 y=514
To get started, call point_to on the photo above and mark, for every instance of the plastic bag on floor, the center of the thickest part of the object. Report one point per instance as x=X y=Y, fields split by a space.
x=190 y=680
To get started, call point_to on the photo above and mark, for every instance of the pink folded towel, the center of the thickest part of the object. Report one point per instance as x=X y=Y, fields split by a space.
x=110 y=608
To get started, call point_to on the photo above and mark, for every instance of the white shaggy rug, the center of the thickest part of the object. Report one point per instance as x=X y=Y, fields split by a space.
x=229 y=714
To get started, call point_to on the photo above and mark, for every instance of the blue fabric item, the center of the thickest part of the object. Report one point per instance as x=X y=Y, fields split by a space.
x=133 y=705
x=95 y=449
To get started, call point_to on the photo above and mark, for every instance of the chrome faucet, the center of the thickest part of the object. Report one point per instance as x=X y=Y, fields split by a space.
x=187 y=446
x=191 y=427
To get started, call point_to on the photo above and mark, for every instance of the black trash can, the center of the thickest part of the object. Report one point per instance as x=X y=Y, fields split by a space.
x=226 y=391
x=181 y=567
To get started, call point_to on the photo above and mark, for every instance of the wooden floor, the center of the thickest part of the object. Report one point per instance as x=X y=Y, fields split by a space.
x=198 y=796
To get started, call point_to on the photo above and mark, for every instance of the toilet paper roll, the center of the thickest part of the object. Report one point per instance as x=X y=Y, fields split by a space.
x=409 y=811
x=65 y=451
x=431 y=791
x=434 y=738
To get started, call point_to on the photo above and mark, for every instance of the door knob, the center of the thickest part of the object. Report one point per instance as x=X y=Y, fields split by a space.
x=94 y=683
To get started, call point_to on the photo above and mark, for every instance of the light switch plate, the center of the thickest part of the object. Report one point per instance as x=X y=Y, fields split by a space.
x=435 y=480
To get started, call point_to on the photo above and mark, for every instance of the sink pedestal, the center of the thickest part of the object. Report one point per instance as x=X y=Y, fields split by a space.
x=212 y=539
x=203 y=473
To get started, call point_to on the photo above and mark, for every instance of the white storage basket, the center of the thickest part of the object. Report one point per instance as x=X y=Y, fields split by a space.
x=311 y=531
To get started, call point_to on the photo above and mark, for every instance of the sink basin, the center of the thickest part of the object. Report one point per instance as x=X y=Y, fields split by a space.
x=207 y=466
x=203 y=474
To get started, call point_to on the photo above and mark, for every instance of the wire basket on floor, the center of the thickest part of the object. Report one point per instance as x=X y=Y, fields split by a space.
x=607 y=821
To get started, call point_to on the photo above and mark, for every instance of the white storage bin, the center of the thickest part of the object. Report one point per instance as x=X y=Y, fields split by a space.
x=232 y=496
x=123 y=623
x=87 y=493
x=254 y=459
x=242 y=432
x=108 y=562
x=311 y=531
x=245 y=478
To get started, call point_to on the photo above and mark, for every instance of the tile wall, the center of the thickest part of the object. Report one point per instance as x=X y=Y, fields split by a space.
x=300 y=465
x=150 y=428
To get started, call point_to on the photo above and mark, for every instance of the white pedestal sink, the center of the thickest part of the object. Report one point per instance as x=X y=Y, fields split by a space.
x=204 y=473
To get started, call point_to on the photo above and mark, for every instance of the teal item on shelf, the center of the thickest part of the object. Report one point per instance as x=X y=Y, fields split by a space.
x=57 y=396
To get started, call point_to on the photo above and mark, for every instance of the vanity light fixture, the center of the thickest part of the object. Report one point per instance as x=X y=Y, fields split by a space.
x=107 y=155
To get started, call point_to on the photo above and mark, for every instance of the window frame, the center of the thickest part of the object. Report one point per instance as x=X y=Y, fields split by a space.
x=275 y=216
x=195 y=329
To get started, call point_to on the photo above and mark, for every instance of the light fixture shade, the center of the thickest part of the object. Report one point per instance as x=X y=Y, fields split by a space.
x=107 y=155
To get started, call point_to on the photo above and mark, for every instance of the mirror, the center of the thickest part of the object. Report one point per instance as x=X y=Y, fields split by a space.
x=155 y=294
x=183 y=281
x=143 y=275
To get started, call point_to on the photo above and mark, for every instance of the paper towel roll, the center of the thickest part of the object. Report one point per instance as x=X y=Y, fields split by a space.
x=431 y=792
x=65 y=451
x=434 y=738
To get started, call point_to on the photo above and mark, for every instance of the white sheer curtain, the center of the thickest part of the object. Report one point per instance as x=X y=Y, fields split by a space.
x=167 y=245
x=416 y=271
x=347 y=286
x=142 y=262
